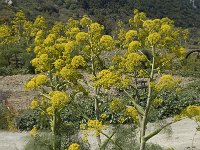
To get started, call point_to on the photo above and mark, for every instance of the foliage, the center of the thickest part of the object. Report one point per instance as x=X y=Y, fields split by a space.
x=106 y=12
x=14 y=39
x=173 y=104
x=191 y=66
x=27 y=119
x=7 y=118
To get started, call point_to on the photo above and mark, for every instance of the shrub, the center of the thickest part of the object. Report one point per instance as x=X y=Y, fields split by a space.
x=173 y=104
x=7 y=118
x=29 y=118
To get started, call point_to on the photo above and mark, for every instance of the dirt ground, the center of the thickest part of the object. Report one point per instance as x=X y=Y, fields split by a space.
x=180 y=139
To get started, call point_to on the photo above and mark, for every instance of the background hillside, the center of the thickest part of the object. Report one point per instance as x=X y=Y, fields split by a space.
x=183 y=12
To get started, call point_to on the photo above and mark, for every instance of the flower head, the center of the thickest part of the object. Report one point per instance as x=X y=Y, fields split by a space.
x=58 y=98
x=74 y=146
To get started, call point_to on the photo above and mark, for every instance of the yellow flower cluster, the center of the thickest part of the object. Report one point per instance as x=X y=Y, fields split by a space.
x=34 y=104
x=50 y=40
x=107 y=42
x=19 y=17
x=71 y=23
x=68 y=48
x=131 y=112
x=57 y=28
x=40 y=22
x=104 y=116
x=33 y=132
x=165 y=28
x=117 y=105
x=78 y=61
x=131 y=62
x=85 y=21
x=180 y=52
x=124 y=82
x=82 y=126
x=166 y=82
x=153 y=38
x=192 y=112
x=41 y=62
x=39 y=37
x=95 y=125
x=138 y=19
x=36 y=82
x=149 y=24
x=50 y=111
x=59 y=63
x=157 y=102
x=134 y=46
x=82 y=37
x=74 y=146
x=96 y=28
x=4 y=31
x=71 y=33
x=68 y=73
x=106 y=79
x=58 y=99
x=130 y=35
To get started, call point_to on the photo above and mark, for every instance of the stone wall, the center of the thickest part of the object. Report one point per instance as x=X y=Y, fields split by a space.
x=12 y=91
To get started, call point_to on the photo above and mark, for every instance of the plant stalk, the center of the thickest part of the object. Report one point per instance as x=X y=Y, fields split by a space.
x=145 y=117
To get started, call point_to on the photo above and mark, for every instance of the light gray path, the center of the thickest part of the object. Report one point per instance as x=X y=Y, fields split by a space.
x=180 y=139
x=13 y=140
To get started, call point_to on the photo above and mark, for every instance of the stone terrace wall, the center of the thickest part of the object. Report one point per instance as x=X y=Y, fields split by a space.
x=12 y=91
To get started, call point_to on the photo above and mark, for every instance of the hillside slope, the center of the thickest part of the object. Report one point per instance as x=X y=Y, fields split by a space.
x=185 y=13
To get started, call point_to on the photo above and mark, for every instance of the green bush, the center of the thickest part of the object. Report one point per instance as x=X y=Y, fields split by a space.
x=5 y=71
x=173 y=104
x=7 y=118
x=28 y=118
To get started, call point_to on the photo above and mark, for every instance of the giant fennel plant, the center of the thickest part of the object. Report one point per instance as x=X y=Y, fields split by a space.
x=64 y=53
x=149 y=46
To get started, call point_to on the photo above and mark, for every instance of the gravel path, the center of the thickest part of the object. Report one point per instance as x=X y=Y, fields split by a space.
x=180 y=139
x=13 y=140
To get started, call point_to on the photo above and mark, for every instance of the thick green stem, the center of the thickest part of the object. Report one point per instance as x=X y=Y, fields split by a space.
x=55 y=124
x=137 y=106
x=103 y=146
x=54 y=131
x=156 y=131
x=95 y=92
x=145 y=117
x=110 y=138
